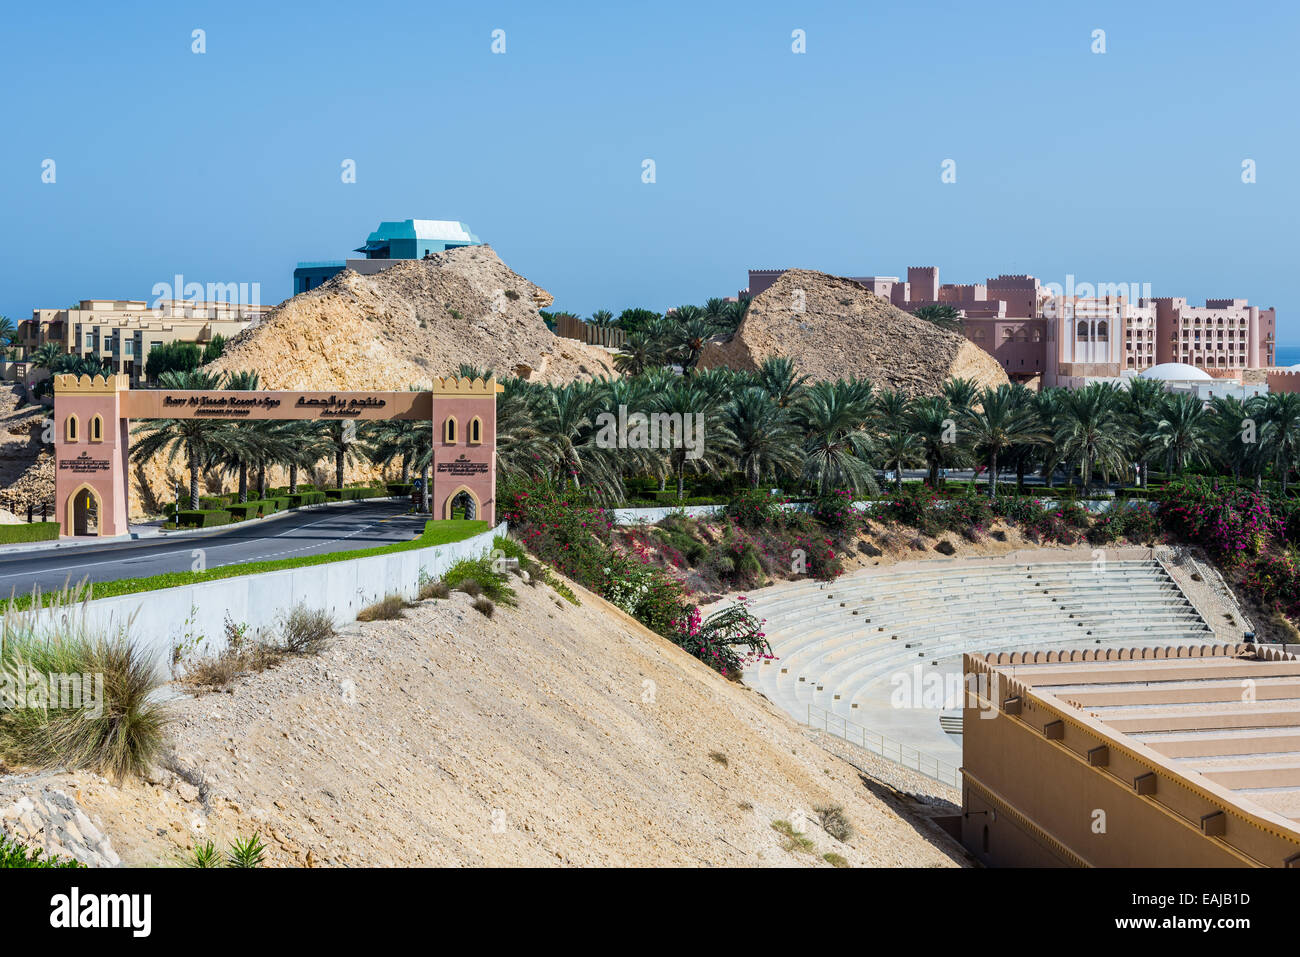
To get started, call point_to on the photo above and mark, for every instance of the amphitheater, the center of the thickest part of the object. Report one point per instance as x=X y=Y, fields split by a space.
x=876 y=656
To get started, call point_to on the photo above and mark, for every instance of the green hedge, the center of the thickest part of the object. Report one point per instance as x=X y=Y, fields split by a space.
x=28 y=532
x=435 y=533
x=306 y=498
x=351 y=494
x=214 y=501
x=203 y=518
x=400 y=488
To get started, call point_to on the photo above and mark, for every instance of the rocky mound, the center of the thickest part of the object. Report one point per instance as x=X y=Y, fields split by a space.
x=548 y=734
x=834 y=328
x=415 y=320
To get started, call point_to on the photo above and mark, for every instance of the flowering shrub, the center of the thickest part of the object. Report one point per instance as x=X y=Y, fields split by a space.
x=755 y=508
x=1231 y=522
x=719 y=639
x=1131 y=521
x=1274 y=580
x=915 y=506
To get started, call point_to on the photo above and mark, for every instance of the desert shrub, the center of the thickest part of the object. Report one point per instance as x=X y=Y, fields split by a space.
x=835 y=860
x=434 y=589
x=794 y=841
x=388 y=608
x=836 y=513
x=116 y=728
x=243 y=853
x=13 y=854
x=305 y=630
x=477 y=576
x=945 y=547
x=484 y=605
x=834 y=822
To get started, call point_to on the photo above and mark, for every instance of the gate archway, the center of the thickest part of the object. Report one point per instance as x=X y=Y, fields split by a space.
x=91 y=469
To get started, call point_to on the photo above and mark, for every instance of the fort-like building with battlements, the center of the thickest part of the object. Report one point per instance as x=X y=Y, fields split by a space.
x=1053 y=334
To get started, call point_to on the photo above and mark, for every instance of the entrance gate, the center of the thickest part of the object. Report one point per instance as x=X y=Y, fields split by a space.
x=92 y=440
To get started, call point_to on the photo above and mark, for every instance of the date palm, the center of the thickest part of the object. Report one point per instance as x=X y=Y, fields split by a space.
x=203 y=442
x=766 y=440
x=1282 y=433
x=1181 y=432
x=934 y=423
x=837 y=448
x=1003 y=419
x=1093 y=429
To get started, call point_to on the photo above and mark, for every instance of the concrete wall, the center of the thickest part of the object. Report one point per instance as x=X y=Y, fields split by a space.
x=193 y=615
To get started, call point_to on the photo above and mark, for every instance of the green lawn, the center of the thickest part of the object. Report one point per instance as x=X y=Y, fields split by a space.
x=435 y=533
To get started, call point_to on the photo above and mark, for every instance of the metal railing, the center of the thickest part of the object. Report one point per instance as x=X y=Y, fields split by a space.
x=44 y=512
x=882 y=746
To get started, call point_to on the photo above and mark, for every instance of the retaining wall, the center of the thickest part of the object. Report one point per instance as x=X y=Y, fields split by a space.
x=193 y=616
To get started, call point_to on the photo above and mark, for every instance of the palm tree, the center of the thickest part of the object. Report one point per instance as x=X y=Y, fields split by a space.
x=782 y=381
x=900 y=449
x=837 y=449
x=961 y=393
x=685 y=399
x=642 y=351
x=202 y=441
x=766 y=440
x=8 y=332
x=1181 y=431
x=1093 y=428
x=688 y=336
x=1001 y=421
x=340 y=440
x=934 y=423
x=1143 y=403
x=245 y=451
x=46 y=355
x=301 y=447
x=1048 y=406
x=1235 y=442
x=1282 y=433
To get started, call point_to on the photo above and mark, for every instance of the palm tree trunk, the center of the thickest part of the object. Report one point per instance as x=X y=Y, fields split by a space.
x=425 y=491
x=993 y=476
x=243 y=482
x=293 y=478
x=338 y=466
x=194 y=476
x=261 y=482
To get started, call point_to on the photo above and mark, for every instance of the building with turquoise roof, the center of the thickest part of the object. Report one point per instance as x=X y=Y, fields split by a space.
x=393 y=240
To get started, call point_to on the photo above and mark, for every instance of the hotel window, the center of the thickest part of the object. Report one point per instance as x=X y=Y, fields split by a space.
x=475 y=431
x=72 y=428
x=97 y=429
x=449 y=430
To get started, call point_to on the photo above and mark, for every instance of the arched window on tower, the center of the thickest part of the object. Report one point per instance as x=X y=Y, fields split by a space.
x=449 y=430
x=72 y=429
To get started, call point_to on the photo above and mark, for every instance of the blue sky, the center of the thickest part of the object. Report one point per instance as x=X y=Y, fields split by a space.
x=225 y=167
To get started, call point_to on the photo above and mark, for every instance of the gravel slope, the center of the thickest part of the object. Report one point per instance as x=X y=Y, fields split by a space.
x=548 y=735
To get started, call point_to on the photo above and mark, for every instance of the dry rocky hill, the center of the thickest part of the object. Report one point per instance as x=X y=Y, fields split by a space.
x=549 y=734
x=414 y=320
x=834 y=328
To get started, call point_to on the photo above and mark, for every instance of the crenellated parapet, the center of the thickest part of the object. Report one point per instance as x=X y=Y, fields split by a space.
x=68 y=384
x=451 y=385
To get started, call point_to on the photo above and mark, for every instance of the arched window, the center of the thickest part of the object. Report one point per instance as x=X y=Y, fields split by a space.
x=449 y=430
x=475 y=431
x=1102 y=329
x=1083 y=329
x=72 y=429
x=97 y=429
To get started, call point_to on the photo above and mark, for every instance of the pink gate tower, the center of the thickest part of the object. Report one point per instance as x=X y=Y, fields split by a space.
x=91 y=445
x=92 y=442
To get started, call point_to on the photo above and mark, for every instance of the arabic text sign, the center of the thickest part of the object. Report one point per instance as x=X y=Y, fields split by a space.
x=231 y=404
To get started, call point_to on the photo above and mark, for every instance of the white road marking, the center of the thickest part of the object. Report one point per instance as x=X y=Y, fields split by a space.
x=241 y=561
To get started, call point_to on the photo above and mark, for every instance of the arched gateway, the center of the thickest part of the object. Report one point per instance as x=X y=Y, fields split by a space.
x=90 y=476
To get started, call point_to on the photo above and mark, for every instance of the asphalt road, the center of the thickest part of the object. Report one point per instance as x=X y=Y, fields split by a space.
x=311 y=532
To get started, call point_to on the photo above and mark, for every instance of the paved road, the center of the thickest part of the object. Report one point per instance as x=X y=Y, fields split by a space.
x=311 y=532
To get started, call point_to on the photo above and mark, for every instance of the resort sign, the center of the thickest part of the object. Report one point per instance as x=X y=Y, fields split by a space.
x=165 y=404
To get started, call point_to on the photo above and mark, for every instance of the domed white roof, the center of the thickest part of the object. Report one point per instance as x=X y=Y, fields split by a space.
x=1175 y=372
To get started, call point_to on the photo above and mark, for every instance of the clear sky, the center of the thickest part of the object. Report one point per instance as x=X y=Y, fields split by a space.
x=225 y=166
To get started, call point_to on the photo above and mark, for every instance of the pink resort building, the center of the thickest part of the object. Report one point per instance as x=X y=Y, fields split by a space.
x=1047 y=335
